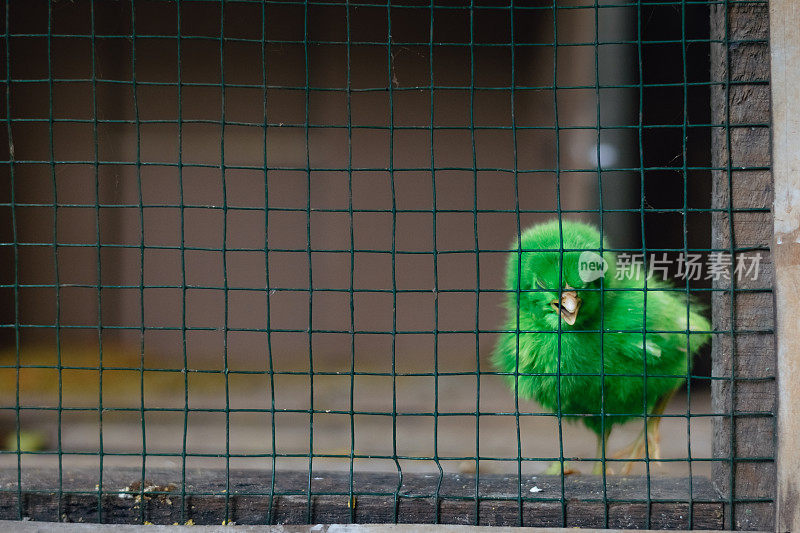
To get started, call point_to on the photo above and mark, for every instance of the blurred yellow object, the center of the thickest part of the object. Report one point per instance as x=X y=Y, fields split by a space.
x=29 y=441
x=72 y=372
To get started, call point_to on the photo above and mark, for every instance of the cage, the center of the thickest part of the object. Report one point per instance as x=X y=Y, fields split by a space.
x=253 y=256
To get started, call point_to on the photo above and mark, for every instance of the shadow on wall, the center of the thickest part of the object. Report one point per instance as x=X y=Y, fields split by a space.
x=146 y=209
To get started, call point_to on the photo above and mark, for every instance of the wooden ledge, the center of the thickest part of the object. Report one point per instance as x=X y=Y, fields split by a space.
x=625 y=500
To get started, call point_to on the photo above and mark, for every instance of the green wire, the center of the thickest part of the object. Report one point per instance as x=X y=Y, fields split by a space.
x=431 y=39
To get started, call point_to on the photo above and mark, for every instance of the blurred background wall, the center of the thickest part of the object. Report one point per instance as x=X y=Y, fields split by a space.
x=176 y=195
x=134 y=188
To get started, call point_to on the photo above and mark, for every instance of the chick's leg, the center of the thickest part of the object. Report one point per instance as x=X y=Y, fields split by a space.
x=640 y=448
x=602 y=444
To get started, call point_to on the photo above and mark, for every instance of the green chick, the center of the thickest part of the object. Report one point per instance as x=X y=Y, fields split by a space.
x=562 y=332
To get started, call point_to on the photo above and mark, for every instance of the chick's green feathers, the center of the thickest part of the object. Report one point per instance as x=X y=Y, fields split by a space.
x=643 y=331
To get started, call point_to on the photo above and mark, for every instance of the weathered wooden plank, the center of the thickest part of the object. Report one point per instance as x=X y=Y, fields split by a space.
x=624 y=503
x=785 y=41
x=745 y=358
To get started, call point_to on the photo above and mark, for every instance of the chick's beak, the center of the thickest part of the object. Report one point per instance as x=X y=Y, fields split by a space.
x=568 y=306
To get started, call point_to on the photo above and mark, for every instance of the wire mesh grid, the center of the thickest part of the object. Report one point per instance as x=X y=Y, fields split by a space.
x=270 y=237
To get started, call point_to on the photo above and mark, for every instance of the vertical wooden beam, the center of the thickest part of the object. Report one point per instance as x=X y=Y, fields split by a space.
x=785 y=51
x=743 y=353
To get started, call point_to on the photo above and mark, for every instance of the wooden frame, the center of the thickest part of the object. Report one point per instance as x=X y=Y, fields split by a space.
x=744 y=358
x=785 y=53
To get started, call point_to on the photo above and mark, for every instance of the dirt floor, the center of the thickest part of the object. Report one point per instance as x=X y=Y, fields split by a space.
x=455 y=436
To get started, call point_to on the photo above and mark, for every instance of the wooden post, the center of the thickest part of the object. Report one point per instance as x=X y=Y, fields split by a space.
x=744 y=390
x=785 y=47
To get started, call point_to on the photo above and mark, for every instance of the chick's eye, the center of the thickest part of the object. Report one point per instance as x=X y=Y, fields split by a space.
x=540 y=285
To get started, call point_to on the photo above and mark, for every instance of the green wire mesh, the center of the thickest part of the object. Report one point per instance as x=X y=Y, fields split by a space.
x=241 y=209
